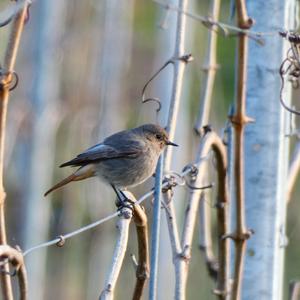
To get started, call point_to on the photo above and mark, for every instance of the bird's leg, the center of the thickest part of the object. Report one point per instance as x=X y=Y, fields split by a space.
x=123 y=201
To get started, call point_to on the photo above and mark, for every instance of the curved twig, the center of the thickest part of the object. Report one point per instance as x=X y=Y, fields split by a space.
x=185 y=58
x=211 y=141
x=142 y=270
x=15 y=257
x=281 y=73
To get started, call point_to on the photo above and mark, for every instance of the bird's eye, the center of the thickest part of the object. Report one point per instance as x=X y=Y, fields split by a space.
x=158 y=136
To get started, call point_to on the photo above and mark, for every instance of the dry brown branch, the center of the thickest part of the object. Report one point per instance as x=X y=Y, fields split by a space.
x=210 y=68
x=15 y=257
x=294 y=291
x=239 y=120
x=293 y=172
x=5 y=81
x=142 y=270
x=211 y=141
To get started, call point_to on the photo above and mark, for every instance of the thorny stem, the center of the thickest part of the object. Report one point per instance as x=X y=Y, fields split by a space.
x=210 y=68
x=142 y=271
x=239 y=120
x=5 y=78
x=210 y=142
x=16 y=259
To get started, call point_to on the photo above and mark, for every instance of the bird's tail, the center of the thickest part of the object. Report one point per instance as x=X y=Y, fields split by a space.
x=82 y=173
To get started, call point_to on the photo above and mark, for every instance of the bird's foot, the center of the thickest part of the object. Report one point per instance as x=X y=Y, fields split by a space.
x=124 y=204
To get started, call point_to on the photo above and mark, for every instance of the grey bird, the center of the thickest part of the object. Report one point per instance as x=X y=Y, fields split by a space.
x=124 y=159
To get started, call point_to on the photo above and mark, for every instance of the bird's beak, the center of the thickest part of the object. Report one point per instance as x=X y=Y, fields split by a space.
x=171 y=144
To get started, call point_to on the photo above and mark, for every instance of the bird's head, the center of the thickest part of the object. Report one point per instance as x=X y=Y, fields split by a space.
x=156 y=135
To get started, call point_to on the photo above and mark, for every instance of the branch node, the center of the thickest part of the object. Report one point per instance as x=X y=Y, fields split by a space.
x=186 y=253
x=239 y=236
x=240 y=120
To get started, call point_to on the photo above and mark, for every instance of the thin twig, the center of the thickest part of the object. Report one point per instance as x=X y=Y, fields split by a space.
x=210 y=68
x=5 y=79
x=210 y=142
x=15 y=257
x=142 y=270
x=119 y=254
x=239 y=120
x=293 y=172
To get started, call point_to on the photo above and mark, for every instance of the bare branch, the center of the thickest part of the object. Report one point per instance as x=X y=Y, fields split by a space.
x=179 y=64
x=210 y=68
x=142 y=270
x=210 y=142
x=119 y=253
x=15 y=257
x=239 y=120
x=5 y=80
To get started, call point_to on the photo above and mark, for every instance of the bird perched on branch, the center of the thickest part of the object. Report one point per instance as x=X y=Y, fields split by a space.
x=124 y=159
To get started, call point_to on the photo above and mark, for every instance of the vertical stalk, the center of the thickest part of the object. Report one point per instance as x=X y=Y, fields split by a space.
x=156 y=231
x=179 y=66
x=8 y=67
x=239 y=120
x=118 y=255
x=210 y=68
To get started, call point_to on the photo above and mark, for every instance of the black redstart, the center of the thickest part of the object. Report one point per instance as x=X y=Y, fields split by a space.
x=124 y=159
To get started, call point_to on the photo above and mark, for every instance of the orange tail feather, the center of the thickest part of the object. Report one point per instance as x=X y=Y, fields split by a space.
x=61 y=183
x=81 y=173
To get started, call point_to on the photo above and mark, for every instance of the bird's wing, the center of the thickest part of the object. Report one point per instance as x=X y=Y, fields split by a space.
x=103 y=151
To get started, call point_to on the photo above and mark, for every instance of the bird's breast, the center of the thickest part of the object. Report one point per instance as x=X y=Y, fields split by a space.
x=127 y=172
